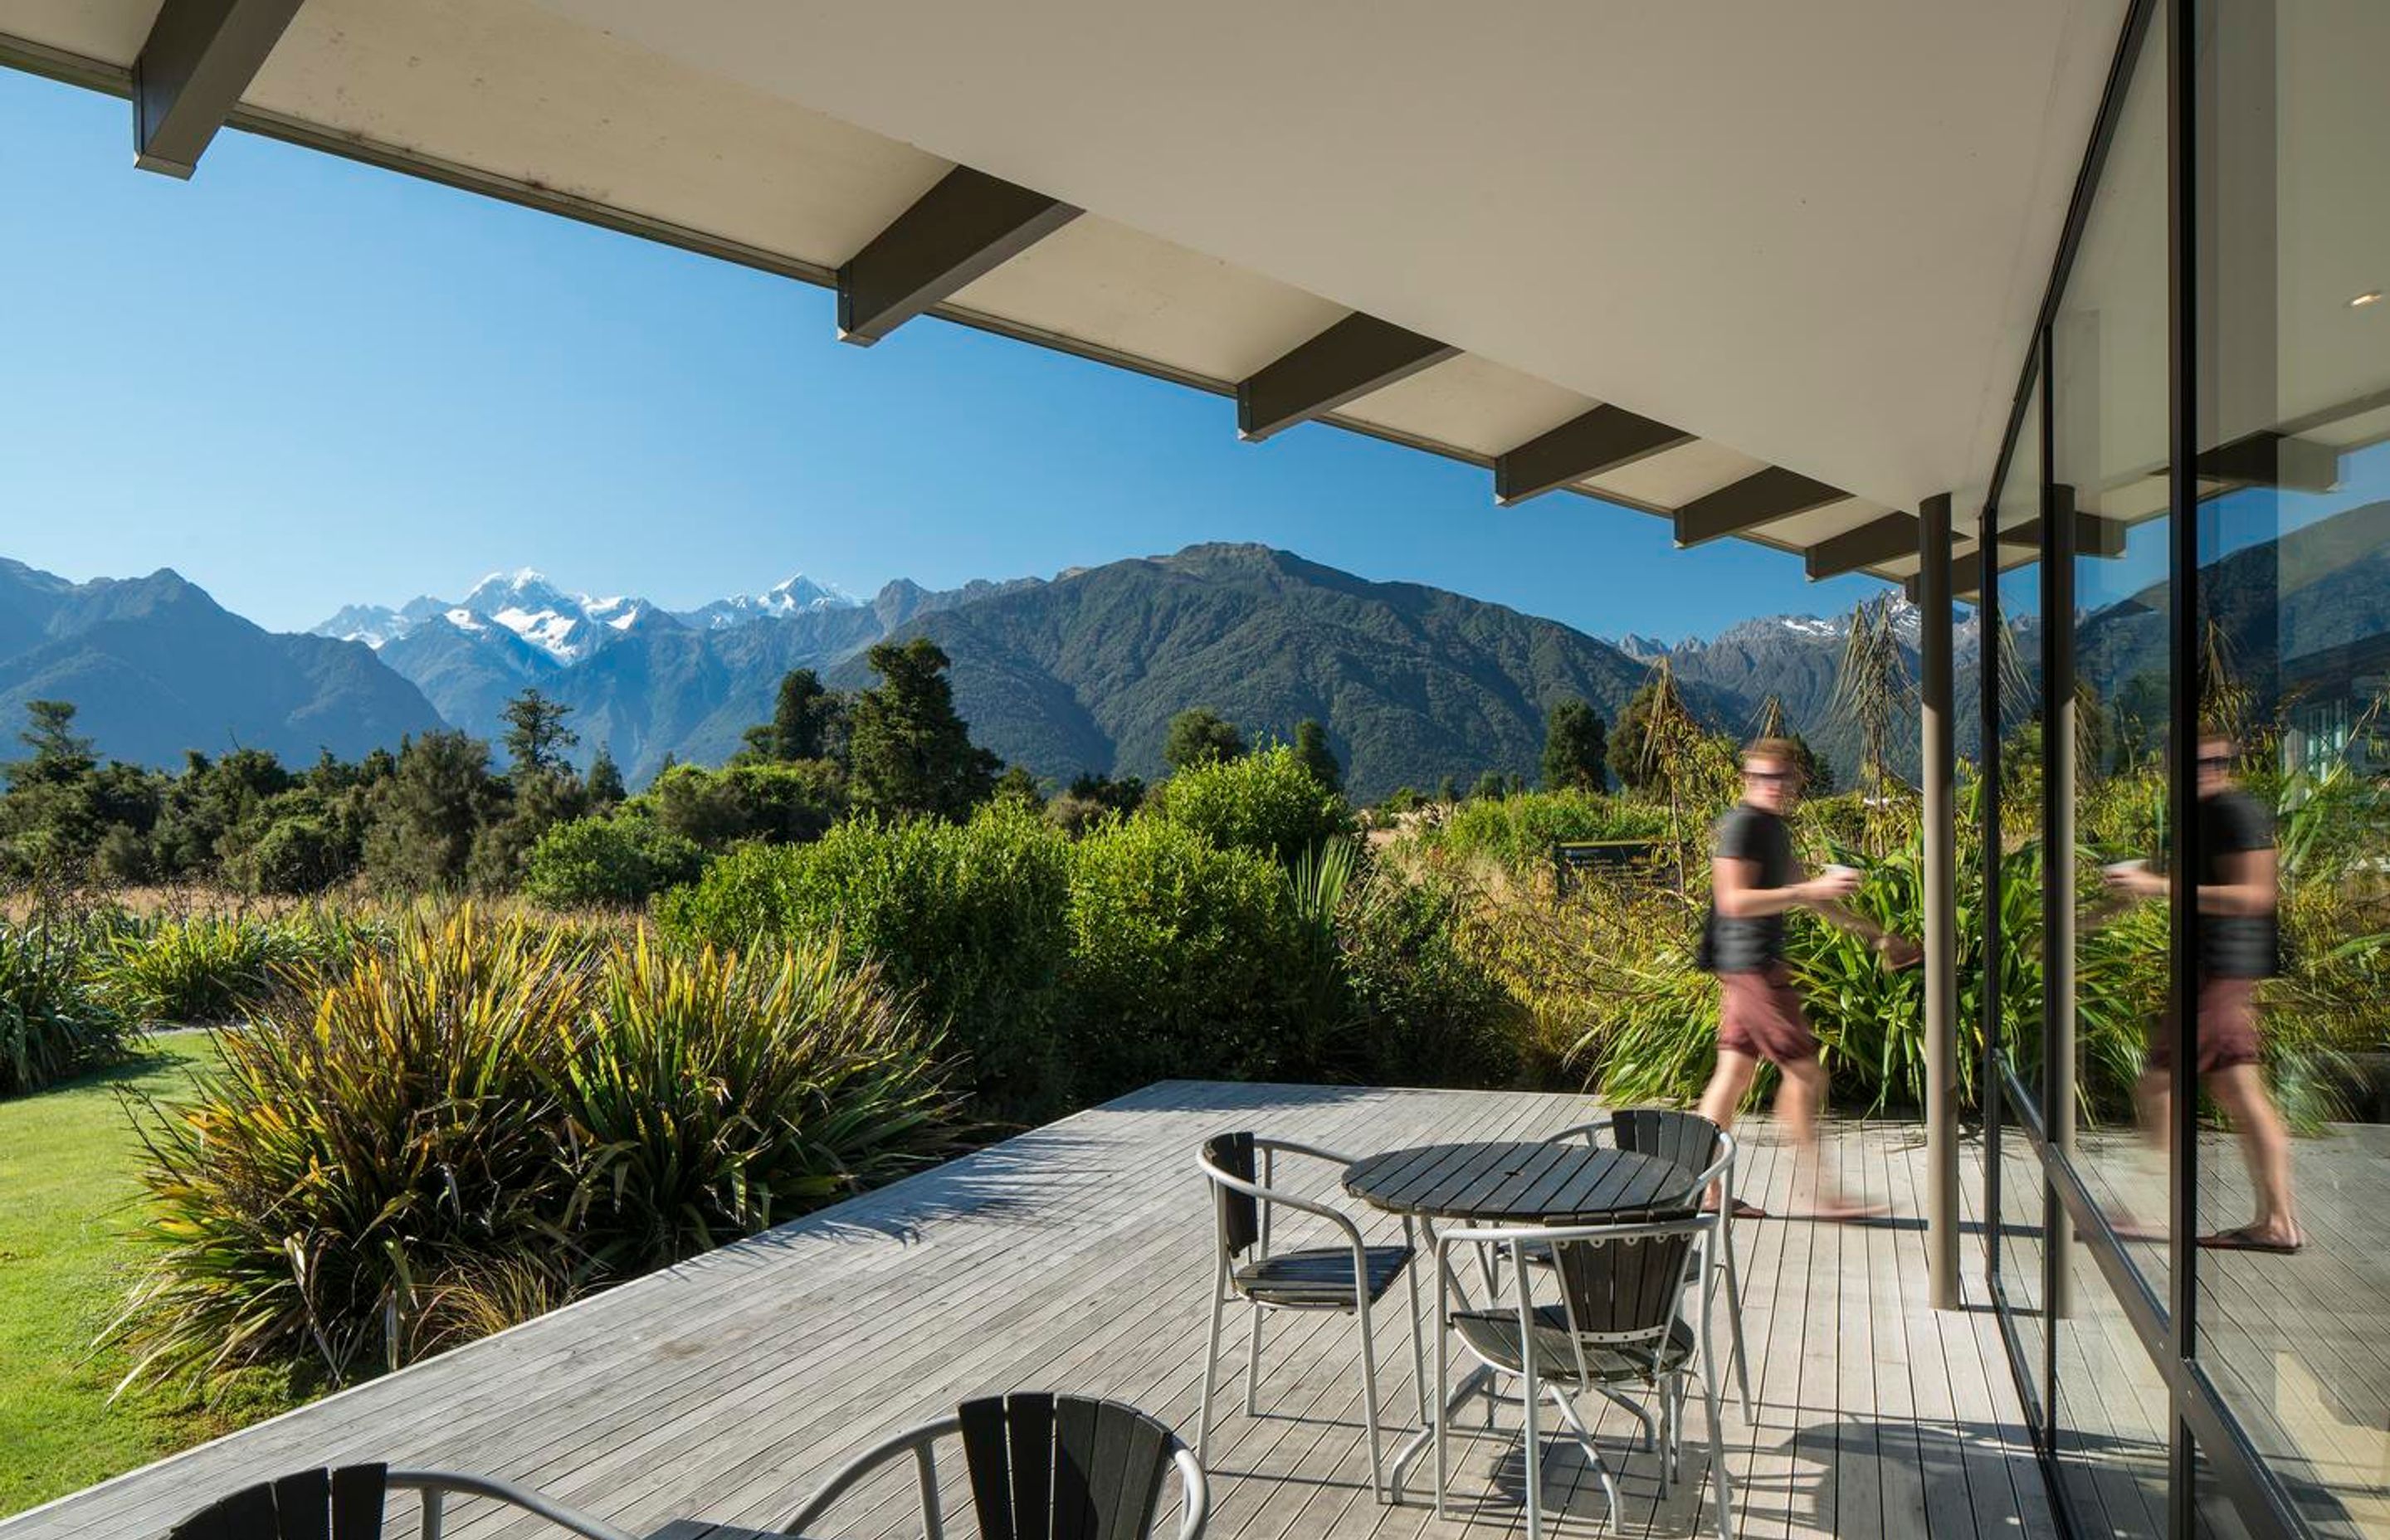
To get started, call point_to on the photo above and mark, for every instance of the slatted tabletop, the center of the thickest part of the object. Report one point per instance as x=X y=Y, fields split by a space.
x=1520 y=1181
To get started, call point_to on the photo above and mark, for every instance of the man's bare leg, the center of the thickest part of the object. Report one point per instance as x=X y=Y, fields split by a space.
x=2265 y=1145
x=1730 y=1082
x=1799 y=1103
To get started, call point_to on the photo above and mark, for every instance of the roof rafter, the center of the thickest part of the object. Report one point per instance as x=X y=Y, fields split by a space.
x=1762 y=497
x=1894 y=534
x=1603 y=439
x=1359 y=354
x=961 y=229
x=199 y=58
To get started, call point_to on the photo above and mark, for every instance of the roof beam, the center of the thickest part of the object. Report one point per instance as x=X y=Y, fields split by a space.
x=2093 y=534
x=963 y=228
x=1762 y=497
x=1894 y=534
x=2272 y=459
x=1966 y=578
x=1359 y=354
x=1600 y=440
x=200 y=57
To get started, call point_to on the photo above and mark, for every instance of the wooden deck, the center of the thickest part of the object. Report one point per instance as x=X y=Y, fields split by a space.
x=1076 y=1256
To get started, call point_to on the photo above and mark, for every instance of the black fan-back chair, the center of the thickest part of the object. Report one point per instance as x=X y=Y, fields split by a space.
x=1619 y=1324
x=346 y=1504
x=1349 y=1278
x=1695 y=1143
x=1043 y=1466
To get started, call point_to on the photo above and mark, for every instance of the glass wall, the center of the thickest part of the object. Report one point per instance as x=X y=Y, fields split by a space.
x=2293 y=856
x=2192 y=715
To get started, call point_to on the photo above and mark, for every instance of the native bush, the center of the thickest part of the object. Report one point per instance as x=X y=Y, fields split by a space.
x=619 y=858
x=1185 y=959
x=778 y=803
x=1518 y=832
x=1419 y=1010
x=489 y=1117
x=1267 y=800
x=969 y=918
x=198 y=968
x=710 y=1095
x=54 y=1025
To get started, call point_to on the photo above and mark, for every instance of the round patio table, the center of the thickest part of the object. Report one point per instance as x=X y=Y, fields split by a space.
x=1514 y=1181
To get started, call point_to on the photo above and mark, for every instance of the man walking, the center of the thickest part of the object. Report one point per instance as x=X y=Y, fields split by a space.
x=1754 y=882
x=2235 y=945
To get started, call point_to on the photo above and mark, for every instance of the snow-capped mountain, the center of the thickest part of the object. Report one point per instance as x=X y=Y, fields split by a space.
x=797 y=596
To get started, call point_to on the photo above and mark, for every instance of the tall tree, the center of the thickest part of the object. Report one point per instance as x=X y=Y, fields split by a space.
x=606 y=789
x=1311 y=748
x=1201 y=736
x=1577 y=749
x=808 y=721
x=425 y=815
x=537 y=736
x=59 y=755
x=910 y=751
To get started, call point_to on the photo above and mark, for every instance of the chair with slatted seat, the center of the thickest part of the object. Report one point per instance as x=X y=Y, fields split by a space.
x=346 y=1504
x=1697 y=1144
x=1064 y=1467
x=1350 y=1276
x=1618 y=1326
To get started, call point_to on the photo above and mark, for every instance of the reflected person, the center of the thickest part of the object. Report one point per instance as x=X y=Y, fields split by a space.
x=2238 y=889
x=1754 y=882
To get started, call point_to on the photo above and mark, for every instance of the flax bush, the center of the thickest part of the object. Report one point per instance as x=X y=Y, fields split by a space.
x=490 y=1116
x=198 y=968
x=54 y=1023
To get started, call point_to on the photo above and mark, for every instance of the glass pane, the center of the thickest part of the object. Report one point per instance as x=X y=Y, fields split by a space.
x=2016 y=657
x=2109 y=397
x=2023 y=1215
x=2112 y=1412
x=2293 y=594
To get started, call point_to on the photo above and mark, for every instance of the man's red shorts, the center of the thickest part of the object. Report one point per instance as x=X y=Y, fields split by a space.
x=1761 y=1016
x=2227 y=1027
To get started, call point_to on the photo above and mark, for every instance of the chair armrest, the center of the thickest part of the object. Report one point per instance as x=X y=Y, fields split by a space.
x=1288 y=1147
x=1585 y=1131
x=865 y=1464
x=434 y=1485
x=1282 y=1199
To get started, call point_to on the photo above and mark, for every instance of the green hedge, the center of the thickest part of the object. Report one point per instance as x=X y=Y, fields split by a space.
x=1267 y=800
x=621 y=858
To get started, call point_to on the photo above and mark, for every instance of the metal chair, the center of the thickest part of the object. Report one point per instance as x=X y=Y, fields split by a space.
x=1350 y=1276
x=1619 y=1322
x=346 y=1504
x=1042 y=1465
x=1697 y=1144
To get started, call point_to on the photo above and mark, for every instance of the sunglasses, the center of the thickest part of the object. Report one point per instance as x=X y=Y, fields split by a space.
x=2214 y=762
x=1771 y=774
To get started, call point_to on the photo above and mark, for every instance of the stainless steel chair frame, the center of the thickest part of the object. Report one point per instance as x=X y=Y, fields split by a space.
x=1224 y=1292
x=1538 y=1380
x=1717 y=1246
x=1195 y=1493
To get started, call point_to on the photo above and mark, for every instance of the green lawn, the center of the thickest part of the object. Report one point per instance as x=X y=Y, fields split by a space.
x=67 y=1162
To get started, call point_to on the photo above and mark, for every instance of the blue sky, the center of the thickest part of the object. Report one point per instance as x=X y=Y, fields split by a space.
x=303 y=382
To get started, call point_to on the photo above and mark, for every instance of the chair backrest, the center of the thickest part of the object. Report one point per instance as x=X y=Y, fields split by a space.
x=1625 y=1289
x=307 y=1505
x=1240 y=1212
x=1688 y=1139
x=1046 y=1467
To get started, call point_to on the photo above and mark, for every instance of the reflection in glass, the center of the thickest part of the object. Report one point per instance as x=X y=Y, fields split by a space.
x=2105 y=729
x=2113 y=1414
x=2023 y=1217
x=2293 y=595
x=2014 y=656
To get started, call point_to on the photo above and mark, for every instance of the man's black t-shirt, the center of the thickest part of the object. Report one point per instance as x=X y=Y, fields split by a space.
x=2234 y=946
x=1752 y=834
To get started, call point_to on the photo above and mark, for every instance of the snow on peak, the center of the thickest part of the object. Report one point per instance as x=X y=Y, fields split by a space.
x=795 y=596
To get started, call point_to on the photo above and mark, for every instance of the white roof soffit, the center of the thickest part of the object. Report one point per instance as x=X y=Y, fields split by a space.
x=1805 y=243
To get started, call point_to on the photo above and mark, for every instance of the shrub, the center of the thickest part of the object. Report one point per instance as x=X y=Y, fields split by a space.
x=968 y=917
x=712 y=1095
x=1267 y=800
x=54 y=1025
x=1185 y=959
x=781 y=803
x=201 y=968
x=619 y=858
x=363 y=1144
x=1422 y=1012
x=1518 y=832
x=491 y=1117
